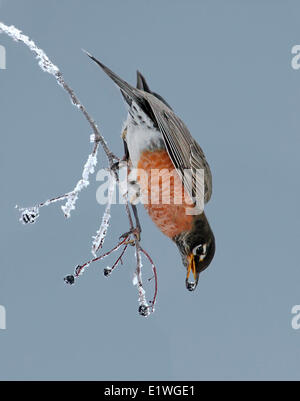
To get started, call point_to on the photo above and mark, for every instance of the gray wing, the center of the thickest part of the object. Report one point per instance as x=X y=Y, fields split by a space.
x=142 y=84
x=184 y=151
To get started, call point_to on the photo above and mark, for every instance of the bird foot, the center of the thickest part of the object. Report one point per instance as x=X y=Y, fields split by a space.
x=115 y=167
x=136 y=232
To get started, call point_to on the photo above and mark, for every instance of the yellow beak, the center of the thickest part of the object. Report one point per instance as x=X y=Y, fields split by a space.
x=191 y=267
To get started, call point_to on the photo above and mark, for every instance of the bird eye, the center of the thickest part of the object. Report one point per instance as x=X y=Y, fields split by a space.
x=200 y=250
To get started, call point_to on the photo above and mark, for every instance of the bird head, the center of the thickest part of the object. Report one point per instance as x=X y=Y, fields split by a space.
x=197 y=249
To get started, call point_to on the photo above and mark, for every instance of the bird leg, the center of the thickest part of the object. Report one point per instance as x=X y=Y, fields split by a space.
x=138 y=227
x=136 y=232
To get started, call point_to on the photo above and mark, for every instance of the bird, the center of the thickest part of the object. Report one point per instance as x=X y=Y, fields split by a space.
x=156 y=139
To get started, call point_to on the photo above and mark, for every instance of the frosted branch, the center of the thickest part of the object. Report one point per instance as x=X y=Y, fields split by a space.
x=80 y=268
x=143 y=309
x=101 y=233
x=46 y=65
x=30 y=215
x=89 y=168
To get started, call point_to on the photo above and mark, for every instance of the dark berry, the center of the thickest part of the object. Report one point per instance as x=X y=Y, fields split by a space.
x=143 y=310
x=69 y=279
x=30 y=215
x=26 y=218
x=107 y=272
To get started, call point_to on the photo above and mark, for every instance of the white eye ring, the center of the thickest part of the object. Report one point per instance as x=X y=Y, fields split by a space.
x=202 y=256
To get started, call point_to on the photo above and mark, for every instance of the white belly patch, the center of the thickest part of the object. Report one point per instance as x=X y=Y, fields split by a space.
x=141 y=134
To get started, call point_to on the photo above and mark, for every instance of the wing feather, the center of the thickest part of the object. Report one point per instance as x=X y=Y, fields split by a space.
x=184 y=151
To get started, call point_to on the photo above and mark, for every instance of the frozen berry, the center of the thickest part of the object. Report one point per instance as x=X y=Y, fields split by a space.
x=144 y=310
x=69 y=279
x=107 y=272
x=29 y=215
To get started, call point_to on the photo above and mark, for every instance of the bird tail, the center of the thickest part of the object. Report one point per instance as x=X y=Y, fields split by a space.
x=141 y=82
x=127 y=90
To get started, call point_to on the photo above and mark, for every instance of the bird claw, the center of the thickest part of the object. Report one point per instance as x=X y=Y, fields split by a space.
x=119 y=164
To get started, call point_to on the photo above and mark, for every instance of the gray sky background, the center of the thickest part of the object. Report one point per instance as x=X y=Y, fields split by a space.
x=225 y=67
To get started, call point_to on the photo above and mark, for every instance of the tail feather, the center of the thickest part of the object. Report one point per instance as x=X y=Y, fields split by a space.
x=141 y=82
x=127 y=90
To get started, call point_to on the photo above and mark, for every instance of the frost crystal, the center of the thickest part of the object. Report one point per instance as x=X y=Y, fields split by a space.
x=17 y=35
x=135 y=279
x=72 y=197
x=99 y=238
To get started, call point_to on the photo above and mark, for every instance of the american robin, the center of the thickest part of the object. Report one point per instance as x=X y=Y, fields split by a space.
x=157 y=140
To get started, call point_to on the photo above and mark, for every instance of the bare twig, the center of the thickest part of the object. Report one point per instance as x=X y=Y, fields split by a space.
x=80 y=268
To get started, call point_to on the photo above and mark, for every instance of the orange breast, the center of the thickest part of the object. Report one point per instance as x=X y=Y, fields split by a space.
x=163 y=194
